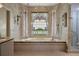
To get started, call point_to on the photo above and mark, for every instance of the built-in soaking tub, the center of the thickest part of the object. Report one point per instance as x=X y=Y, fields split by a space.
x=34 y=39
x=39 y=44
x=39 y=40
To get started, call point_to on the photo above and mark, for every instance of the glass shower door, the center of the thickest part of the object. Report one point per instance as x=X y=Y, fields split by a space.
x=75 y=25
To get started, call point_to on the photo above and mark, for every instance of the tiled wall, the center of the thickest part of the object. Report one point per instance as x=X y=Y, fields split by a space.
x=15 y=32
x=63 y=31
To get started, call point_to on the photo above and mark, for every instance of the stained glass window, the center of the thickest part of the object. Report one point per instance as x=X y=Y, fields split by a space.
x=39 y=23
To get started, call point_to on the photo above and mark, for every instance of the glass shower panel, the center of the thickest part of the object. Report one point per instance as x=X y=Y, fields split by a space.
x=75 y=24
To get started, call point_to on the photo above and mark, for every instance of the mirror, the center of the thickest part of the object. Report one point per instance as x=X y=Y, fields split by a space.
x=4 y=20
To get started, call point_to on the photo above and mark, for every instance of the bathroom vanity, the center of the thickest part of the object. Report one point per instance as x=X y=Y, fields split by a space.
x=6 y=47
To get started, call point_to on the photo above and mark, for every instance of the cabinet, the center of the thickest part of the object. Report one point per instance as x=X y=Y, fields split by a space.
x=6 y=48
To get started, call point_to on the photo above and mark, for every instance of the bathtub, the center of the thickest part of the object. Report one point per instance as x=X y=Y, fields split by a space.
x=35 y=39
x=39 y=44
x=39 y=40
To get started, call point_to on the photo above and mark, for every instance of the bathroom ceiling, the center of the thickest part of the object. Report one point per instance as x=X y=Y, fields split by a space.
x=40 y=4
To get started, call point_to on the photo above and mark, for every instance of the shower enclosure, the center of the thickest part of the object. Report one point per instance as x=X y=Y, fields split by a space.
x=75 y=27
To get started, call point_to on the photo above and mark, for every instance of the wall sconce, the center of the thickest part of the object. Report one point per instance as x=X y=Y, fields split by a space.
x=18 y=18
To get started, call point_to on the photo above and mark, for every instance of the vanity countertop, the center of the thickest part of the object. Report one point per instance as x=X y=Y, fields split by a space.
x=5 y=40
